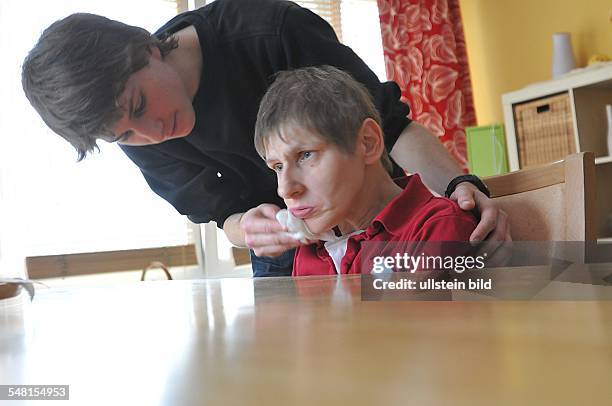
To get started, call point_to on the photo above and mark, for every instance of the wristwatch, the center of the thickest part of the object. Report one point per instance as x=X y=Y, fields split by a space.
x=473 y=179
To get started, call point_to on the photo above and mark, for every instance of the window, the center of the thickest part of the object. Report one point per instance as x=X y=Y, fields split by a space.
x=357 y=25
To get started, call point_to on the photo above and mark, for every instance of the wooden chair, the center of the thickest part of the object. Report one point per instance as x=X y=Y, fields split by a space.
x=552 y=202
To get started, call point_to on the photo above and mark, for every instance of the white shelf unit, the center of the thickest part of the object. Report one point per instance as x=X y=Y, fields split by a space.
x=589 y=91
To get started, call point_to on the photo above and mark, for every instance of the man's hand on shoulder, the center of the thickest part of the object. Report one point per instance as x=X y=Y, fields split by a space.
x=493 y=229
x=493 y=225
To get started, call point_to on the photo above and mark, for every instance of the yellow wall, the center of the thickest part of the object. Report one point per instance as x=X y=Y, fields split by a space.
x=509 y=43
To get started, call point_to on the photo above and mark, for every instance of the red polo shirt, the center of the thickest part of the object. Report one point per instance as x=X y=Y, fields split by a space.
x=414 y=215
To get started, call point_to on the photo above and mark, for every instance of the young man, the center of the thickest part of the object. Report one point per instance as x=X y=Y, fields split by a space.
x=182 y=105
x=319 y=130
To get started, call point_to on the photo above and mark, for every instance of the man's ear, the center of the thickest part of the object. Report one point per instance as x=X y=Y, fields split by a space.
x=371 y=141
x=155 y=52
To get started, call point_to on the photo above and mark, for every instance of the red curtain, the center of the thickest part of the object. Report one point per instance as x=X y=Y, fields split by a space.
x=425 y=54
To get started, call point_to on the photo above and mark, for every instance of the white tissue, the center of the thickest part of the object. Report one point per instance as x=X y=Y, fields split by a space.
x=298 y=230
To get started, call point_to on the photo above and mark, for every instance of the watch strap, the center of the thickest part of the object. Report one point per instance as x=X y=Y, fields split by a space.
x=473 y=179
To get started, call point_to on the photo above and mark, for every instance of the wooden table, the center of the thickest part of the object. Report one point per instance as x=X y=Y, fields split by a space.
x=309 y=341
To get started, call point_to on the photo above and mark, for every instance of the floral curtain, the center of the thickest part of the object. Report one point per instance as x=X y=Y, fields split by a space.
x=425 y=54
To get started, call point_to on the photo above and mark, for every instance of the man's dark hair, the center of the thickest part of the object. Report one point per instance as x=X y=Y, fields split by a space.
x=75 y=73
x=324 y=100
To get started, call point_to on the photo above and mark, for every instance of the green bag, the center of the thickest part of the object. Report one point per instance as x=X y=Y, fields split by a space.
x=486 y=148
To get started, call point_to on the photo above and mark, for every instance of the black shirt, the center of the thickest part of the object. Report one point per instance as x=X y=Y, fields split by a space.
x=215 y=171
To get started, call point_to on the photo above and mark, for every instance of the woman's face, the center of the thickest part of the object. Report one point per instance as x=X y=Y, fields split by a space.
x=319 y=182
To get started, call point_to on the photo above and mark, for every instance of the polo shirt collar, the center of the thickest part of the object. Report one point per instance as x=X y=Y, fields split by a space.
x=393 y=217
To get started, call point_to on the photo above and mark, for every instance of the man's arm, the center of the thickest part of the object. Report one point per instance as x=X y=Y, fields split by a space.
x=417 y=150
x=232 y=230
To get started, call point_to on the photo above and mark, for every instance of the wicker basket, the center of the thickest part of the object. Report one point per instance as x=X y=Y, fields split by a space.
x=544 y=129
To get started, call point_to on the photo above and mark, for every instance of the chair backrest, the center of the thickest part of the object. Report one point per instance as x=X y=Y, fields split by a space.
x=552 y=202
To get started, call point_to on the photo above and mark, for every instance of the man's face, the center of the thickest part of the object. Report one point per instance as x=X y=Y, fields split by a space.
x=320 y=183
x=156 y=106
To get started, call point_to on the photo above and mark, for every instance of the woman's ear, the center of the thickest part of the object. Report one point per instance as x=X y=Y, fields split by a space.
x=370 y=139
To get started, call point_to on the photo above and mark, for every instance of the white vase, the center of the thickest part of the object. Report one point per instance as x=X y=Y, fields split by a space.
x=609 y=116
x=563 y=56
